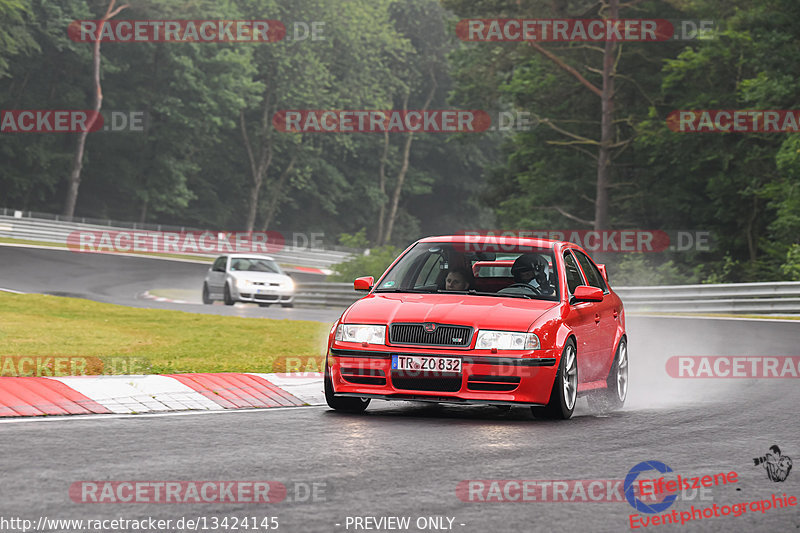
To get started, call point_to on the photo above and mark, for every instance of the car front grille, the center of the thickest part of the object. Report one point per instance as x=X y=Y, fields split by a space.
x=440 y=383
x=364 y=376
x=436 y=334
x=492 y=383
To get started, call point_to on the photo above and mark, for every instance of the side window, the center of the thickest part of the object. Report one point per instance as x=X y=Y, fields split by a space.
x=574 y=277
x=219 y=264
x=593 y=275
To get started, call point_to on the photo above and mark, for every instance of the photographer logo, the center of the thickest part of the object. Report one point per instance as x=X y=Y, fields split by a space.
x=777 y=466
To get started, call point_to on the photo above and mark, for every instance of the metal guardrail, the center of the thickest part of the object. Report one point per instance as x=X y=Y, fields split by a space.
x=780 y=297
x=326 y=294
x=56 y=231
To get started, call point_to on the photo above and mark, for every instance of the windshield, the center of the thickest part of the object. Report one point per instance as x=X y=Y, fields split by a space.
x=446 y=267
x=254 y=264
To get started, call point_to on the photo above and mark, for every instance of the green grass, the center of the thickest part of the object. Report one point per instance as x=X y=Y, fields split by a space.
x=195 y=258
x=153 y=341
x=199 y=259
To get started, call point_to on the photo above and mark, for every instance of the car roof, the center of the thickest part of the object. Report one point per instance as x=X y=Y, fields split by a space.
x=494 y=239
x=249 y=256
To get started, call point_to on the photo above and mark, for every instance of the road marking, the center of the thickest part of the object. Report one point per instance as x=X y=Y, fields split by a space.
x=11 y=291
x=693 y=317
x=31 y=419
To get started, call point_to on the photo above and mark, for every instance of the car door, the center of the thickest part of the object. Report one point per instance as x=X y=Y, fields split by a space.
x=581 y=319
x=216 y=277
x=606 y=313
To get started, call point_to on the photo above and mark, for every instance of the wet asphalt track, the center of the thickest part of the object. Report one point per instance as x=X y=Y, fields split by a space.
x=122 y=280
x=406 y=459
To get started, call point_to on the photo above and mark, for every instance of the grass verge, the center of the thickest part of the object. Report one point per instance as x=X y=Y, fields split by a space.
x=151 y=341
x=184 y=257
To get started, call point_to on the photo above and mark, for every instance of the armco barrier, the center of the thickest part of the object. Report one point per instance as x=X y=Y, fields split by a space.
x=56 y=230
x=326 y=294
x=780 y=297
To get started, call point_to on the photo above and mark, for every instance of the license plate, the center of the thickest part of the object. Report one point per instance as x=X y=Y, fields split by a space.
x=264 y=291
x=424 y=363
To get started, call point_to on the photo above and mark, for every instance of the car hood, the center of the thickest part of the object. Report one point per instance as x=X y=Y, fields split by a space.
x=480 y=312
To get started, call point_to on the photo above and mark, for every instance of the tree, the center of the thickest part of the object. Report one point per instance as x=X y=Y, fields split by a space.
x=74 y=180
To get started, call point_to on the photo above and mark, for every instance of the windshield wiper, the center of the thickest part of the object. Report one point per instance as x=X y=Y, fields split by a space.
x=476 y=293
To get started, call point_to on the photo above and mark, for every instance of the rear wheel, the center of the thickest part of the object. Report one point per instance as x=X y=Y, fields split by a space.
x=613 y=397
x=206 y=297
x=226 y=296
x=565 y=387
x=346 y=403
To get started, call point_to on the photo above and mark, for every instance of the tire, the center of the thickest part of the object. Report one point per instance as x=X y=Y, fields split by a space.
x=613 y=397
x=206 y=297
x=286 y=306
x=347 y=404
x=226 y=297
x=564 y=394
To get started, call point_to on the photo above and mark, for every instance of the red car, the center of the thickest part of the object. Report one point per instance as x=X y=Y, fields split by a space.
x=545 y=330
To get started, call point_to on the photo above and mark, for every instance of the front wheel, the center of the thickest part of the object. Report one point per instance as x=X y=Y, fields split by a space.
x=565 y=387
x=226 y=296
x=613 y=396
x=346 y=403
x=206 y=297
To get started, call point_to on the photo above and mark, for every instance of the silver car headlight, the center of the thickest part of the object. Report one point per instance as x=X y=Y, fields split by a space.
x=241 y=283
x=288 y=284
x=506 y=340
x=361 y=333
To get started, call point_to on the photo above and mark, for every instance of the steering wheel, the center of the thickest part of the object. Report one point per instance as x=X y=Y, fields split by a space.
x=535 y=290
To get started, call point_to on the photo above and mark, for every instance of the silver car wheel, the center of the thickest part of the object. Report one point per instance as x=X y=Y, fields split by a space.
x=570 y=377
x=622 y=372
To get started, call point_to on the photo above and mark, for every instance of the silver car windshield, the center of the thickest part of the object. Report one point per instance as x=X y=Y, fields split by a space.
x=254 y=264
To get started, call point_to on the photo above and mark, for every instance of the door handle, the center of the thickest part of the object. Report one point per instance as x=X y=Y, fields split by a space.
x=597 y=318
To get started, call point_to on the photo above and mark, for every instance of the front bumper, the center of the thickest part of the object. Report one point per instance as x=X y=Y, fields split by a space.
x=484 y=378
x=267 y=295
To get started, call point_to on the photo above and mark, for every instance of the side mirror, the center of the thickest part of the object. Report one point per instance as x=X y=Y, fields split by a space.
x=603 y=271
x=584 y=293
x=364 y=284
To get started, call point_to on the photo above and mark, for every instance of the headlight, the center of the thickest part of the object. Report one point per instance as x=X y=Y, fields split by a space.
x=240 y=282
x=288 y=284
x=506 y=340
x=361 y=333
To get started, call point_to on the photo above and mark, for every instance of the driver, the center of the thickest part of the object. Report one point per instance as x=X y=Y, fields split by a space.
x=531 y=269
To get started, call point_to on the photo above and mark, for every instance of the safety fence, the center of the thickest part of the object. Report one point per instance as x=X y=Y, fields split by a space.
x=55 y=229
x=759 y=298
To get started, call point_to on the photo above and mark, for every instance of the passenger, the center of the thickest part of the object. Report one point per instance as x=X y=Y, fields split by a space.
x=457 y=280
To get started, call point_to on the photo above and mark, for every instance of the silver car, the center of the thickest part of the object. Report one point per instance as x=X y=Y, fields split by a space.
x=247 y=278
